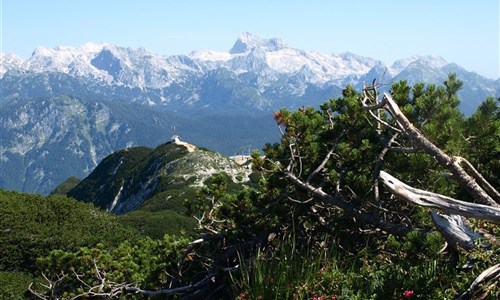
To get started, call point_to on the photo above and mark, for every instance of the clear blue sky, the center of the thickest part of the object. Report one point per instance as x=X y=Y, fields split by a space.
x=461 y=31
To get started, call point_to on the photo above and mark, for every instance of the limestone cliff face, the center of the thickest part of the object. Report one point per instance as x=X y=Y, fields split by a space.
x=126 y=179
x=47 y=140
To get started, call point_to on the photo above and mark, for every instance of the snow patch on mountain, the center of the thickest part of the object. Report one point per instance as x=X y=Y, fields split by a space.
x=271 y=57
x=210 y=55
x=107 y=63
x=248 y=42
x=431 y=61
x=10 y=62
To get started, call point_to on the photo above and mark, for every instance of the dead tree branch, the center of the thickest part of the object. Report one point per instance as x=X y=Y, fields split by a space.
x=487 y=280
x=475 y=173
x=378 y=166
x=455 y=231
x=50 y=286
x=196 y=286
x=349 y=208
x=465 y=180
x=444 y=203
x=325 y=160
x=403 y=125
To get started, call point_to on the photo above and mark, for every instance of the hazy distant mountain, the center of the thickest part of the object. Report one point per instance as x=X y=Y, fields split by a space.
x=65 y=108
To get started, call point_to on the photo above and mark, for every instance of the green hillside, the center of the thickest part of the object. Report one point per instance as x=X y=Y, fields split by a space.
x=32 y=226
x=148 y=187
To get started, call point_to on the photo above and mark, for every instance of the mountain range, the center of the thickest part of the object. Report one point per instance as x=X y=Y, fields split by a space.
x=66 y=108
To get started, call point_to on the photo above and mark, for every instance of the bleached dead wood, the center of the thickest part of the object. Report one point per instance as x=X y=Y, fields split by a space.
x=449 y=224
x=465 y=180
x=110 y=290
x=479 y=289
x=406 y=128
x=455 y=231
x=479 y=177
x=444 y=203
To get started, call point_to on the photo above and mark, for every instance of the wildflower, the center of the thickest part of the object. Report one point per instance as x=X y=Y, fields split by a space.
x=244 y=295
x=408 y=293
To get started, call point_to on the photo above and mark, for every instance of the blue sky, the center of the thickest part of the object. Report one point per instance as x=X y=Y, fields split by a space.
x=461 y=31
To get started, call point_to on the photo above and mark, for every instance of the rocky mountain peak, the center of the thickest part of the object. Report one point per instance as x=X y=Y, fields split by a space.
x=10 y=61
x=431 y=61
x=247 y=42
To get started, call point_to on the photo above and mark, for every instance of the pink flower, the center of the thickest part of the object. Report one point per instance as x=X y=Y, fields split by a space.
x=318 y=298
x=408 y=293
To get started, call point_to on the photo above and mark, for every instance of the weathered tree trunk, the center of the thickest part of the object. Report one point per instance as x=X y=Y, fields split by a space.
x=449 y=224
x=455 y=231
x=444 y=203
x=465 y=180
x=488 y=279
x=404 y=126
